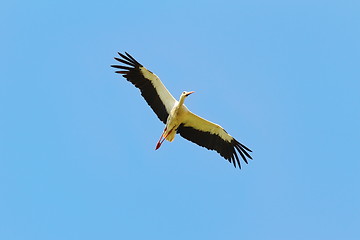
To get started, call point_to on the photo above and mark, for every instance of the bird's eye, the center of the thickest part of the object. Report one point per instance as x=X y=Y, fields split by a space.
x=184 y=92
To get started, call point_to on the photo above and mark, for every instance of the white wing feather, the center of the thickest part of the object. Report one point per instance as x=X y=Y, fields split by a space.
x=164 y=94
x=199 y=123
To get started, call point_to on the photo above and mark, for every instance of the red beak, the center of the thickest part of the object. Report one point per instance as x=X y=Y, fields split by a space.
x=189 y=93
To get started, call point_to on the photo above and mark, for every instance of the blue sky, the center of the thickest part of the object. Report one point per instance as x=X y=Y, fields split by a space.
x=77 y=157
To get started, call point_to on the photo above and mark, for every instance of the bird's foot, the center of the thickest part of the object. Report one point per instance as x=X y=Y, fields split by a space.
x=158 y=145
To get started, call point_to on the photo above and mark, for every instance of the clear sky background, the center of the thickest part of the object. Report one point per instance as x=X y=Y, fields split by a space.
x=77 y=141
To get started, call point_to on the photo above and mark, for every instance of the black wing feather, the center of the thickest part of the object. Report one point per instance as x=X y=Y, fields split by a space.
x=125 y=62
x=134 y=75
x=228 y=150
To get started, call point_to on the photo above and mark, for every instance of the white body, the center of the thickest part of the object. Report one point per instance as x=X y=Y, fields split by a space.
x=177 y=115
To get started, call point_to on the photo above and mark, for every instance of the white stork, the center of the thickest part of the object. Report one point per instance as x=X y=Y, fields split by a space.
x=176 y=116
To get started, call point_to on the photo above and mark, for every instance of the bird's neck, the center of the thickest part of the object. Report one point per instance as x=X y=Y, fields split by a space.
x=181 y=100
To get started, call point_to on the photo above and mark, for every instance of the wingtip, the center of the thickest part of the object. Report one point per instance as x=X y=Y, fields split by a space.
x=121 y=72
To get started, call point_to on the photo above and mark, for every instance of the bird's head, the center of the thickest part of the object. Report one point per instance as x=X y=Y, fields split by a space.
x=185 y=93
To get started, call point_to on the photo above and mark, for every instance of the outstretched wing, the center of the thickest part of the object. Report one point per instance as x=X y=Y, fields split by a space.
x=151 y=88
x=213 y=137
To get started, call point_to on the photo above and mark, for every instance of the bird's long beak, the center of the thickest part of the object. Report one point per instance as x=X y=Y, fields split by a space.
x=189 y=93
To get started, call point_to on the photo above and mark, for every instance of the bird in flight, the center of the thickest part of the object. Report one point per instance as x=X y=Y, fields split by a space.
x=177 y=117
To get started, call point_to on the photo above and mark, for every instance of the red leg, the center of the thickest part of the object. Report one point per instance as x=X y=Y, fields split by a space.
x=162 y=139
